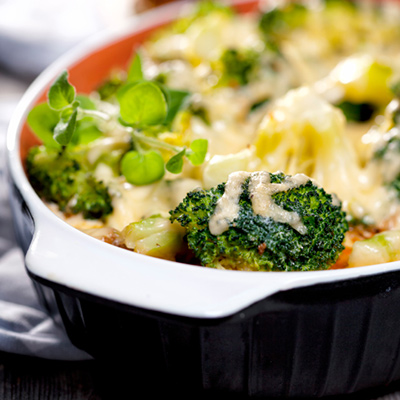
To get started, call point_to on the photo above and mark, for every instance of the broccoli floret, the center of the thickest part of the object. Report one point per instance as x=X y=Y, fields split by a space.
x=278 y=20
x=386 y=150
x=238 y=65
x=110 y=87
x=358 y=112
x=60 y=178
x=386 y=157
x=255 y=242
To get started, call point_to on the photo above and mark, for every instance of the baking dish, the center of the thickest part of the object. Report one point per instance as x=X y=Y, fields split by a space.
x=271 y=334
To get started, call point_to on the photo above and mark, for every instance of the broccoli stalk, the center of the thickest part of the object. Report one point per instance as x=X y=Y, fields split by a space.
x=381 y=248
x=155 y=236
x=253 y=241
x=59 y=177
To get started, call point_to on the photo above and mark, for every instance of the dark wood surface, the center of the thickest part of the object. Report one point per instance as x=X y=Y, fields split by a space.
x=27 y=378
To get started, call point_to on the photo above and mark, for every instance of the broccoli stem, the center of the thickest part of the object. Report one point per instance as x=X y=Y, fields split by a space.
x=153 y=142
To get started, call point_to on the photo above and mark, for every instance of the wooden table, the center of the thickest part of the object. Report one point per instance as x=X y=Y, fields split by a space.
x=29 y=378
x=26 y=378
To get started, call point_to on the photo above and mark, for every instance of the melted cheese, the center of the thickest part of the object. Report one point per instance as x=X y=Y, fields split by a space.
x=227 y=208
x=261 y=191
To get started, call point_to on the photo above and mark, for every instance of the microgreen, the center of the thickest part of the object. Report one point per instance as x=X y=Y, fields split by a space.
x=198 y=151
x=195 y=154
x=175 y=163
x=135 y=72
x=85 y=102
x=86 y=129
x=142 y=168
x=146 y=109
x=142 y=104
x=175 y=100
x=65 y=128
x=42 y=120
x=61 y=93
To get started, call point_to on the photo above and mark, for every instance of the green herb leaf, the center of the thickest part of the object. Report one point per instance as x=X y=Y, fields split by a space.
x=65 y=128
x=85 y=102
x=176 y=99
x=61 y=93
x=198 y=151
x=142 y=104
x=142 y=168
x=135 y=72
x=42 y=120
x=86 y=131
x=175 y=163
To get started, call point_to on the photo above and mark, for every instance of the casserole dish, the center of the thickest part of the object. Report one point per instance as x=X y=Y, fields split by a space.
x=274 y=334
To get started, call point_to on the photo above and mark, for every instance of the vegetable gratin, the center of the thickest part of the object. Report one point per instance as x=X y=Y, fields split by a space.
x=266 y=141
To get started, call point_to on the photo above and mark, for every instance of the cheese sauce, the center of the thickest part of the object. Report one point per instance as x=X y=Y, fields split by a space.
x=261 y=191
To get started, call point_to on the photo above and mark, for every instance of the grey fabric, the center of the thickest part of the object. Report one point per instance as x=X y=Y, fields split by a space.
x=25 y=328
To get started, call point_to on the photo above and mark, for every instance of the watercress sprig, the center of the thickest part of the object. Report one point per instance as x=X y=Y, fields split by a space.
x=65 y=108
x=143 y=104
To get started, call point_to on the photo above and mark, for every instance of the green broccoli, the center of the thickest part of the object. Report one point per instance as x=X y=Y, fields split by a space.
x=110 y=87
x=279 y=20
x=255 y=242
x=358 y=112
x=386 y=157
x=61 y=178
x=238 y=65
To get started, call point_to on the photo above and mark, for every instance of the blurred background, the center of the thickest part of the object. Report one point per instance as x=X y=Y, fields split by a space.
x=35 y=33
